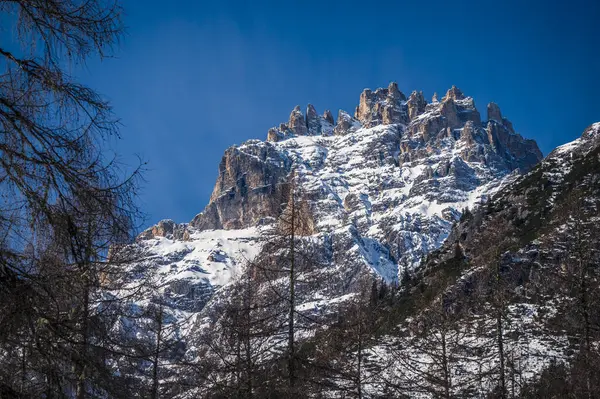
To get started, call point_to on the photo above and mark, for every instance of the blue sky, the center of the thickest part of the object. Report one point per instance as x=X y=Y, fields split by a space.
x=192 y=78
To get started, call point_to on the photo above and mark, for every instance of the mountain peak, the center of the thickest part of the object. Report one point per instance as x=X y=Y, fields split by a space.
x=495 y=143
x=454 y=93
x=328 y=117
x=297 y=123
x=382 y=106
x=388 y=133
x=313 y=124
x=493 y=112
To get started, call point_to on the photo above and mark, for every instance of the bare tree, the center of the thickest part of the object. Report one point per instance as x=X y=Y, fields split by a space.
x=573 y=254
x=494 y=285
x=288 y=267
x=239 y=347
x=345 y=360
x=63 y=201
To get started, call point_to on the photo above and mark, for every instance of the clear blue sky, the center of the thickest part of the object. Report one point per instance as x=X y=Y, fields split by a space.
x=192 y=78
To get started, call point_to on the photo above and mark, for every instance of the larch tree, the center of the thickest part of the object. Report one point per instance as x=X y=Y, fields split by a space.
x=63 y=202
x=574 y=253
x=289 y=268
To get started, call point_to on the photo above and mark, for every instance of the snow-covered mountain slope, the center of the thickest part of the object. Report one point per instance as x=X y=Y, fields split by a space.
x=189 y=270
x=535 y=245
x=384 y=186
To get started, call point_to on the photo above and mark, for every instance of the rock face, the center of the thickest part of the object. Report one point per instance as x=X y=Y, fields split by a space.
x=503 y=139
x=493 y=113
x=248 y=188
x=313 y=125
x=345 y=124
x=165 y=228
x=274 y=135
x=450 y=113
x=454 y=93
x=416 y=104
x=328 y=117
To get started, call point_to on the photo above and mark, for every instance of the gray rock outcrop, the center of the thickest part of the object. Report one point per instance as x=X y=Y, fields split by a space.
x=328 y=117
x=383 y=106
x=313 y=121
x=297 y=123
x=416 y=104
x=345 y=124
x=249 y=188
x=493 y=113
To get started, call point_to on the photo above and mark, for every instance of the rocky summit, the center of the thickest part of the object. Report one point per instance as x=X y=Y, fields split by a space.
x=384 y=188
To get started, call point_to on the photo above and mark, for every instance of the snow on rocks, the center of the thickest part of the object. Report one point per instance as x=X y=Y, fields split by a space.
x=384 y=189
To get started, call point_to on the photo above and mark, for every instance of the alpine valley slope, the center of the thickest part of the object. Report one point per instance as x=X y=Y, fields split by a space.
x=531 y=255
x=384 y=189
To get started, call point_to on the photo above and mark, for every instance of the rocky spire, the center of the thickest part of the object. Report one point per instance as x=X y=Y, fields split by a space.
x=297 y=123
x=454 y=93
x=467 y=133
x=365 y=106
x=164 y=228
x=493 y=112
x=467 y=111
x=328 y=117
x=508 y=124
x=416 y=104
x=434 y=99
x=394 y=93
x=327 y=123
x=392 y=110
x=450 y=112
x=345 y=124
x=273 y=135
x=313 y=123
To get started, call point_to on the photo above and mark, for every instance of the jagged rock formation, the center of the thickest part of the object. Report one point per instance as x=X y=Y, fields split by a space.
x=312 y=121
x=346 y=124
x=384 y=186
x=454 y=93
x=383 y=106
x=416 y=104
x=166 y=228
x=328 y=117
x=493 y=113
x=297 y=123
x=248 y=188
